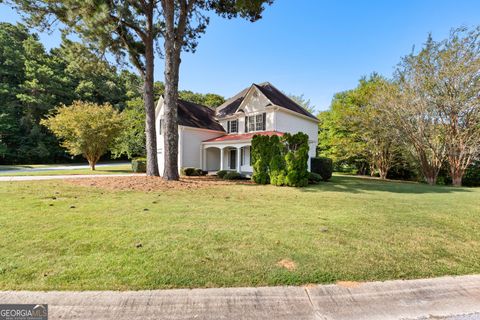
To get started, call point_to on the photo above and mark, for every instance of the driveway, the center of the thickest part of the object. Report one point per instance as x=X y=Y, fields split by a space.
x=64 y=167
x=454 y=298
x=62 y=177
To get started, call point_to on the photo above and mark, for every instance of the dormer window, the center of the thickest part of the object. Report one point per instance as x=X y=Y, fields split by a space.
x=256 y=122
x=232 y=126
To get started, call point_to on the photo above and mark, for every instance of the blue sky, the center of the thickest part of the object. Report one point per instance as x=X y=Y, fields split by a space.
x=310 y=47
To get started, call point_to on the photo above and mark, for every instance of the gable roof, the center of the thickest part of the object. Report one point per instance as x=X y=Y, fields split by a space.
x=277 y=97
x=231 y=105
x=195 y=115
x=280 y=99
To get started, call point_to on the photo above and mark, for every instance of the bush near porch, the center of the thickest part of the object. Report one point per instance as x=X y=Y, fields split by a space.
x=322 y=166
x=281 y=161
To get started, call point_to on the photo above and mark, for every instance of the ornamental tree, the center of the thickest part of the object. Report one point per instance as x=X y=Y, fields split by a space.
x=85 y=128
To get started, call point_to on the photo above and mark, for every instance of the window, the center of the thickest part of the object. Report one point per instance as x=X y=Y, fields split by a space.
x=242 y=154
x=232 y=126
x=160 y=127
x=256 y=123
x=259 y=122
x=251 y=123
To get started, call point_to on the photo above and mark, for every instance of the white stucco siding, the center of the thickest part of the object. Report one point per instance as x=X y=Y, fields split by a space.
x=289 y=122
x=192 y=139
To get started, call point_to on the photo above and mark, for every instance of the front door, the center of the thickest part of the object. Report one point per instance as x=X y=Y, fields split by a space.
x=233 y=159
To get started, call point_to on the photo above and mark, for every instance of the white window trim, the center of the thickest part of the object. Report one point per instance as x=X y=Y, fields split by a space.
x=229 y=125
x=255 y=125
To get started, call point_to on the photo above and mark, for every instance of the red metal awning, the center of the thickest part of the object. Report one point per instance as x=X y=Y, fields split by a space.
x=244 y=136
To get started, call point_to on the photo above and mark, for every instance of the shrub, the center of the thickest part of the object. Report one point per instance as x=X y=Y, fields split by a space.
x=233 y=175
x=139 y=165
x=322 y=166
x=277 y=163
x=296 y=159
x=261 y=154
x=472 y=176
x=221 y=173
x=314 y=178
x=189 y=172
x=280 y=161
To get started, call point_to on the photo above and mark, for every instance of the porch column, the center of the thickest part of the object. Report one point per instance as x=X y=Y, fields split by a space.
x=221 y=158
x=238 y=159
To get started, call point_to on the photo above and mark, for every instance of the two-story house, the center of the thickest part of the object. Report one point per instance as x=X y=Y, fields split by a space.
x=221 y=139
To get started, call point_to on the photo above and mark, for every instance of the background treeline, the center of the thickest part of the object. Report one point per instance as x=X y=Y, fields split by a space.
x=423 y=124
x=34 y=81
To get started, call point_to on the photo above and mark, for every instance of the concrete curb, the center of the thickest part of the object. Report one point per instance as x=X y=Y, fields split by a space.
x=438 y=298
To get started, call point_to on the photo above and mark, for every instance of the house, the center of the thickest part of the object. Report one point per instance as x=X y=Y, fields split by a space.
x=221 y=139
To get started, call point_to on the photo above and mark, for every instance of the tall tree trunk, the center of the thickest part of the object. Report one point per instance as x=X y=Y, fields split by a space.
x=457 y=175
x=372 y=169
x=172 y=66
x=149 y=104
x=430 y=173
x=459 y=159
x=383 y=172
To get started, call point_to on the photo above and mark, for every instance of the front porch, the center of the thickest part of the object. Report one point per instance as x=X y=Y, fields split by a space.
x=234 y=157
x=230 y=152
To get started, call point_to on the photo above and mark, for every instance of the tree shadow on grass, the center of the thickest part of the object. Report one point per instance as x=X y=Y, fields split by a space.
x=358 y=184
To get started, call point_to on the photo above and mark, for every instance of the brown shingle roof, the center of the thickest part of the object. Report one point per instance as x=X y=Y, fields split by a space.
x=273 y=94
x=280 y=99
x=195 y=115
x=231 y=105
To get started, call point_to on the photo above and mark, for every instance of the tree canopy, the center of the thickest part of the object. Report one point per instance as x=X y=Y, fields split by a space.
x=86 y=128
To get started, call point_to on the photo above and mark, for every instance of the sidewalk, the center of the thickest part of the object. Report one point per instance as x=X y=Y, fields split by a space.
x=440 y=298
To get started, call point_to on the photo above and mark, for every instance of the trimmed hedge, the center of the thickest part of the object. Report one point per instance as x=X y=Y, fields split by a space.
x=221 y=173
x=322 y=166
x=261 y=154
x=233 y=175
x=189 y=172
x=280 y=161
x=296 y=159
x=139 y=165
x=314 y=178
x=278 y=165
x=472 y=176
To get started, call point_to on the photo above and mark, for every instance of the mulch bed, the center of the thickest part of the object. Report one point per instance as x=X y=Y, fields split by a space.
x=143 y=183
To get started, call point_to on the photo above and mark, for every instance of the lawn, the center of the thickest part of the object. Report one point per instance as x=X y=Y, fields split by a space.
x=118 y=169
x=59 y=236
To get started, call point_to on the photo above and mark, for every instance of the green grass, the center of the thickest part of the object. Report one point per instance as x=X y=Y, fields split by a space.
x=99 y=170
x=233 y=235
